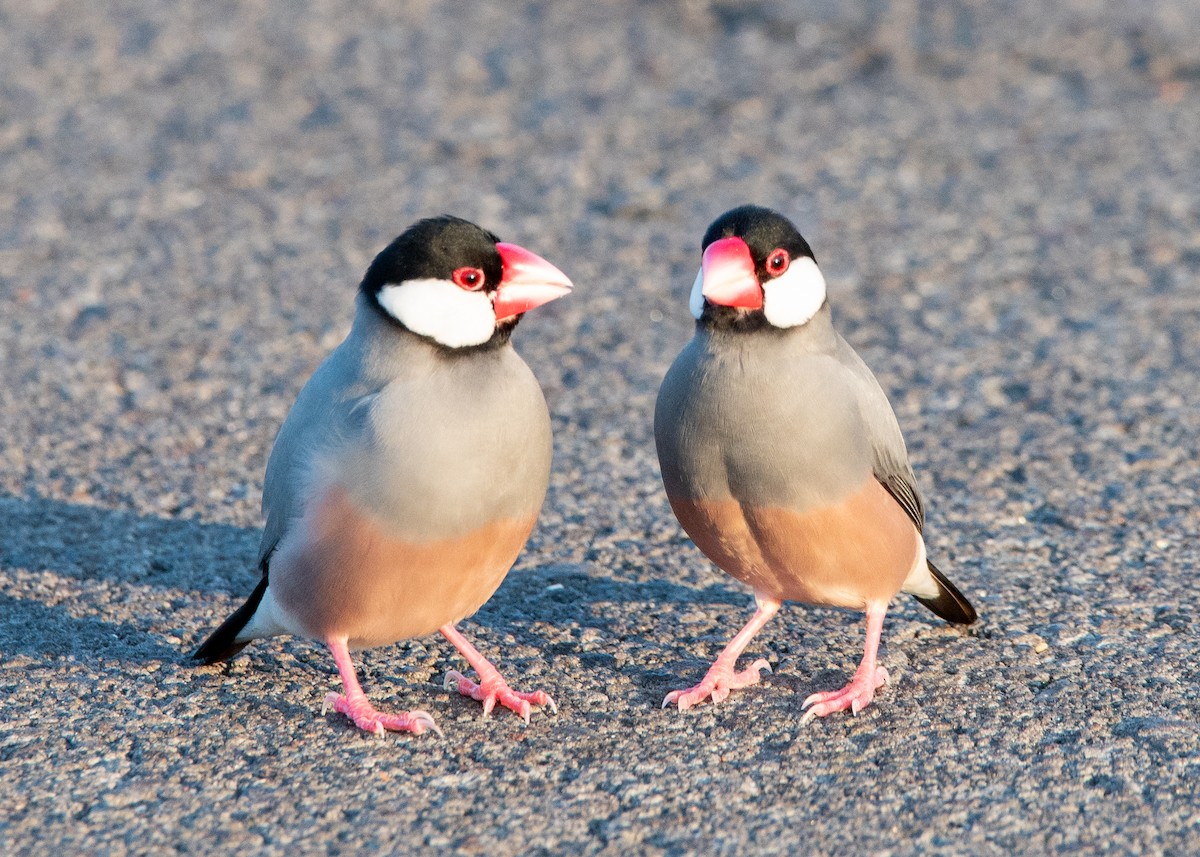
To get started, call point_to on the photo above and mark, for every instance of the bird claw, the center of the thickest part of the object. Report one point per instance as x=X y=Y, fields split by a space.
x=717 y=684
x=427 y=722
x=368 y=719
x=329 y=702
x=856 y=696
x=454 y=680
x=493 y=689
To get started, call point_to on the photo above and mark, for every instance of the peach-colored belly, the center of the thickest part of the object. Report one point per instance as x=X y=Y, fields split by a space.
x=345 y=576
x=851 y=554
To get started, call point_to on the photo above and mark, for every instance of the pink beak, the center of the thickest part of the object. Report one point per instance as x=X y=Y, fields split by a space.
x=729 y=278
x=528 y=281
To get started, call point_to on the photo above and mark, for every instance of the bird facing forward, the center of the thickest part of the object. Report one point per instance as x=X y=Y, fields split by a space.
x=782 y=458
x=411 y=469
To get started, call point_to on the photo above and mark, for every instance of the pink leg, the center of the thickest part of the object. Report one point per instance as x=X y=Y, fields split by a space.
x=721 y=678
x=858 y=694
x=353 y=703
x=492 y=688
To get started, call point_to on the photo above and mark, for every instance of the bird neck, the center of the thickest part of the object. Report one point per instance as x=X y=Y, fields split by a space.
x=724 y=327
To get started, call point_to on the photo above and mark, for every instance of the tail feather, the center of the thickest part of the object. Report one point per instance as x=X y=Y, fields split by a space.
x=222 y=643
x=949 y=603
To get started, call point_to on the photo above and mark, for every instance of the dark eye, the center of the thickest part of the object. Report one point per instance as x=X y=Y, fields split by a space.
x=470 y=279
x=777 y=262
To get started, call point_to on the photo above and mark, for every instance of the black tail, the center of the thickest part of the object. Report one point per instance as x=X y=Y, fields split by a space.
x=222 y=644
x=949 y=603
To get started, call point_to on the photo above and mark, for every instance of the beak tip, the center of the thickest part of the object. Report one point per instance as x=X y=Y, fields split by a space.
x=529 y=281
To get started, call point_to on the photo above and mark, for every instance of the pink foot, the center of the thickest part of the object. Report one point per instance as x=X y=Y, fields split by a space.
x=856 y=696
x=365 y=716
x=717 y=684
x=353 y=703
x=721 y=678
x=493 y=688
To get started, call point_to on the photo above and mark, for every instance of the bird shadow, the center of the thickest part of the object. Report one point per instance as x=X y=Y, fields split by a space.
x=91 y=543
x=44 y=539
x=196 y=562
x=33 y=629
x=569 y=589
x=559 y=595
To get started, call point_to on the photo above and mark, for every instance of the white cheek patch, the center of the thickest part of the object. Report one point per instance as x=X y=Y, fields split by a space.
x=696 y=300
x=441 y=310
x=795 y=296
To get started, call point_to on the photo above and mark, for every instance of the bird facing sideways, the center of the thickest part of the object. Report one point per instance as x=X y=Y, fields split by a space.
x=782 y=458
x=409 y=473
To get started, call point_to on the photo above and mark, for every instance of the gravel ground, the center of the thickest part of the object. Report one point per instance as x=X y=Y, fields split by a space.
x=1003 y=196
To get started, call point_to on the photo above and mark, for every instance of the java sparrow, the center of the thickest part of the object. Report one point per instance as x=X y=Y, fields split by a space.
x=782 y=458
x=411 y=469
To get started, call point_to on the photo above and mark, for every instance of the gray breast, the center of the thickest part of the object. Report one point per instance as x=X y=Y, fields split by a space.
x=450 y=449
x=765 y=419
x=431 y=444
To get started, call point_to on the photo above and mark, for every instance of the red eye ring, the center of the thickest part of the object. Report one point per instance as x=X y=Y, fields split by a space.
x=470 y=279
x=778 y=262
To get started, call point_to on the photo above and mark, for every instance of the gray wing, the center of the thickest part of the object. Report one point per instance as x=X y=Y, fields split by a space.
x=331 y=408
x=890 y=456
x=894 y=472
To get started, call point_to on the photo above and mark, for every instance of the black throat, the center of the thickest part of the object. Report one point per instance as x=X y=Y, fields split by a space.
x=734 y=319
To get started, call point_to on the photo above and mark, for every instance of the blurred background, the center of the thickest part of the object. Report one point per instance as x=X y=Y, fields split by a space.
x=1003 y=198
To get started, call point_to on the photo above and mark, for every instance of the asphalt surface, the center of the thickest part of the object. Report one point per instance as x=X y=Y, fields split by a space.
x=1003 y=197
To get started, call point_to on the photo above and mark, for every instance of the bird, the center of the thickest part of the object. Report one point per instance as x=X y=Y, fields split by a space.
x=410 y=471
x=782 y=458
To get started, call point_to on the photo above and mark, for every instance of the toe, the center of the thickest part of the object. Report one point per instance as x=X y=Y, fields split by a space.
x=817 y=698
x=331 y=701
x=422 y=721
x=684 y=699
x=750 y=675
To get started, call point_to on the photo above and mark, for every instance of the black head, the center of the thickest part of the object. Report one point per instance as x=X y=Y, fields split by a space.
x=433 y=249
x=758 y=272
x=763 y=230
x=456 y=284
